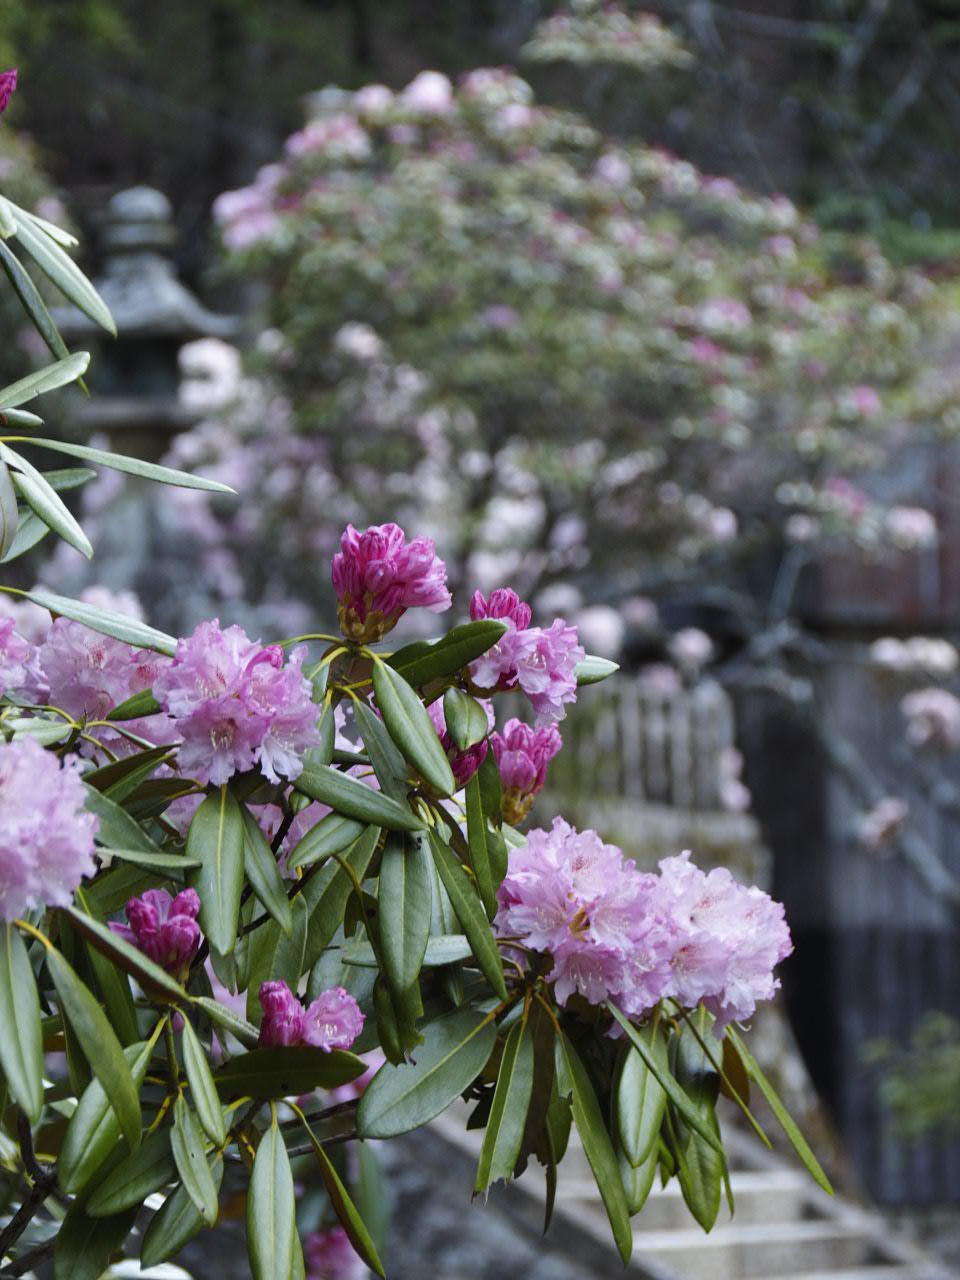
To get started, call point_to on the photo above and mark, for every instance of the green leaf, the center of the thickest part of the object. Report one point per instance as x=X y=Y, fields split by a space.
x=591 y=670
x=176 y=863
x=669 y=1085
x=46 y=379
x=700 y=1167
x=355 y=800
x=188 y=1153
x=117 y=996
x=202 y=1089
x=154 y=980
x=405 y=901
x=9 y=514
x=573 y=1081
x=286 y=1072
x=465 y=719
x=454 y=1052
x=508 y=1112
x=94 y=1128
x=491 y=793
x=134 y=708
x=441 y=949
x=99 y=1043
x=421 y=662
x=137 y=1176
x=332 y=834
x=327 y=891
x=641 y=1099
x=60 y=268
x=797 y=1140
x=275 y=955
x=113 y=889
x=344 y=1207
x=84 y=1244
x=20 y=418
x=216 y=837
x=177 y=1222
x=393 y=772
x=263 y=872
x=65 y=238
x=244 y=1031
x=132 y=466
x=44 y=500
x=638 y=1181
x=108 y=623
x=107 y=776
x=411 y=728
x=21 y=1042
x=470 y=913
x=30 y=530
x=33 y=304
x=271 y=1211
x=480 y=839
x=117 y=828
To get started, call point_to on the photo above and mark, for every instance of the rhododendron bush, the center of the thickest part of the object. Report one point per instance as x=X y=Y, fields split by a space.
x=265 y=902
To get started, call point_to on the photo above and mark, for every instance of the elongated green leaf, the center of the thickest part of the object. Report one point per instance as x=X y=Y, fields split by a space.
x=61 y=269
x=263 y=872
x=441 y=949
x=508 y=1112
x=21 y=1043
x=491 y=792
x=105 y=778
x=455 y=1050
x=286 y=1072
x=177 y=1222
x=46 y=379
x=641 y=1099
x=332 y=834
x=590 y=670
x=275 y=955
x=327 y=891
x=84 y=1244
x=216 y=837
x=700 y=1167
x=154 y=980
x=117 y=996
x=133 y=708
x=58 y=234
x=94 y=1128
x=345 y=1209
x=44 y=500
x=405 y=901
x=669 y=1085
x=30 y=530
x=191 y=1161
x=108 y=623
x=355 y=800
x=117 y=828
x=480 y=839
x=8 y=224
x=132 y=466
x=202 y=1089
x=141 y=1173
x=785 y=1120
x=393 y=772
x=9 y=515
x=470 y=913
x=574 y=1082
x=244 y=1031
x=465 y=719
x=175 y=865
x=421 y=662
x=411 y=728
x=99 y=1043
x=271 y=1212
x=637 y=1181
x=33 y=304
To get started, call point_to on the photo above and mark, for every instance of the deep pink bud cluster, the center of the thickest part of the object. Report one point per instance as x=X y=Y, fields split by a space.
x=46 y=834
x=8 y=82
x=541 y=662
x=522 y=754
x=235 y=704
x=378 y=575
x=463 y=763
x=332 y=1021
x=165 y=929
x=614 y=932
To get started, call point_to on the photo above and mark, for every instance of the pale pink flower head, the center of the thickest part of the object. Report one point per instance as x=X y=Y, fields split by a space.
x=333 y=1020
x=14 y=657
x=429 y=94
x=164 y=928
x=46 y=834
x=8 y=82
x=283 y=1017
x=329 y=1255
x=378 y=575
x=522 y=754
x=463 y=763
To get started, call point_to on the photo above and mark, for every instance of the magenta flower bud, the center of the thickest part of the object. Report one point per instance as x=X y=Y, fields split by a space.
x=378 y=575
x=165 y=929
x=8 y=82
x=504 y=604
x=463 y=763
x=333 y=1020
x=522 y=754
x=283 y=1016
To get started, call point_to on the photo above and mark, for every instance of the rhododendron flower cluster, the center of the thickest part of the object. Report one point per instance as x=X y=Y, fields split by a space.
x=463 y=763
x=235 y=704
x=614 y=932
x=542 y=663
x=332 y=1021
x=164 y=928
x=378 y=575
x=522 y=754
x=46 y=834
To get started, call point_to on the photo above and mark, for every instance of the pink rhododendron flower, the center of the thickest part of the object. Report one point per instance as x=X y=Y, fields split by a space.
x=329 y=1255
x=46 y=834
x=429 y=94
x=283 y=1016
x=522 y=756
x=14 y=657
x=463 y=763
x=541 y=662
x=8 y=82
x=378 y=575
x=164 y=928
x=333 y=1020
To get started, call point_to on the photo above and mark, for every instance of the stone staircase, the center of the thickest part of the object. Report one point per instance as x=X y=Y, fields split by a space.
x=785 y=1228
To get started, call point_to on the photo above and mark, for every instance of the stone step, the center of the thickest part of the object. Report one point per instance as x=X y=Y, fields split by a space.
x=734 y=1251
x=880 y=1271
